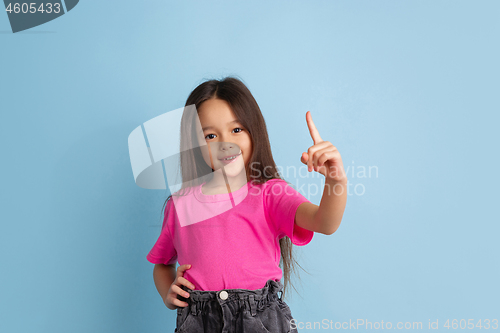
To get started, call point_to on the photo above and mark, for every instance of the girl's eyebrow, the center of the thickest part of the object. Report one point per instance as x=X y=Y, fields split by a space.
x=229 y=123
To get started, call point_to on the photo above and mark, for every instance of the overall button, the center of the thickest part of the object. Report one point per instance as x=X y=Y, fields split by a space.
x=223 y=294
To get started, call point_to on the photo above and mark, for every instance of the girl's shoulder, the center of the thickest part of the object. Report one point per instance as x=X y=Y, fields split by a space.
x=275 y=182
x=274 y=186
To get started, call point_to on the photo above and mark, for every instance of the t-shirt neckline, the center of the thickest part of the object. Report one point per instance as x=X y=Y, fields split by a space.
x=221 y=196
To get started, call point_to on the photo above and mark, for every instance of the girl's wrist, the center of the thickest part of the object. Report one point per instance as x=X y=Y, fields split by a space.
x=339 y=180
x=336 y=181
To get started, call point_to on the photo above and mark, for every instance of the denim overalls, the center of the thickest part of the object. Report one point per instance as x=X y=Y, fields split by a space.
x=235 y=311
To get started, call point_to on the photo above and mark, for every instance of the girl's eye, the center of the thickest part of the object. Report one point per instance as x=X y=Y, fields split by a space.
x=237 y=128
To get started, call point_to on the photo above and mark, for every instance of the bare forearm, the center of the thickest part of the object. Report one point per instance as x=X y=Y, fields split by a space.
x=164 y=276
x=332 y=205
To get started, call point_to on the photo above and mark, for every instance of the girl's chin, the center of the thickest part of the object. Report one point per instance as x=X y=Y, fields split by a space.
x=232 y=170
x=234 y=175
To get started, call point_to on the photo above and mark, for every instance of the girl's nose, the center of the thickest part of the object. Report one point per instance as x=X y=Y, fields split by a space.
x=226 y=146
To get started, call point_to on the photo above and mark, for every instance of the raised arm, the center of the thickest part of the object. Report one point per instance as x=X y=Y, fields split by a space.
x=324 y=158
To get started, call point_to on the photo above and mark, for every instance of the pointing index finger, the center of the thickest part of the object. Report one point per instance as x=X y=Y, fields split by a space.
x=312 y=128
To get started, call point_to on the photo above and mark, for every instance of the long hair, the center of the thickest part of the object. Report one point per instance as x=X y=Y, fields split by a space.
x=263 y=167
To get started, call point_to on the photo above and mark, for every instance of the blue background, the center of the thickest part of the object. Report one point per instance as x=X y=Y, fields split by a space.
x=410 y=87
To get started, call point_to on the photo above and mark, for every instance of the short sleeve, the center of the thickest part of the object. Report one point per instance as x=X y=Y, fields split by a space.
x=163 y=251
x=280 y=203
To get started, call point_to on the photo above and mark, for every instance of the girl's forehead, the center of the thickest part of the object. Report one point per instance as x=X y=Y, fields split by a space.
x=216 y=113
x=217 y=119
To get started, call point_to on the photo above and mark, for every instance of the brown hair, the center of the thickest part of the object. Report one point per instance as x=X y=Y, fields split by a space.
x=248 y=113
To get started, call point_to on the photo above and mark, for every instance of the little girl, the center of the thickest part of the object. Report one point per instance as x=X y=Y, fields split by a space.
x=235 y=217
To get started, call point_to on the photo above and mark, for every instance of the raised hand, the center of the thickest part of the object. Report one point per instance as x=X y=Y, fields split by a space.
x=323 y=156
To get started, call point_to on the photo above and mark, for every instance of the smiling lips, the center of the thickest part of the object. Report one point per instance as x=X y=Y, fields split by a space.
x=229 y=159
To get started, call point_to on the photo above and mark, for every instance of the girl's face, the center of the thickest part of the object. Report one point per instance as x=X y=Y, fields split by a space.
x=224 y=136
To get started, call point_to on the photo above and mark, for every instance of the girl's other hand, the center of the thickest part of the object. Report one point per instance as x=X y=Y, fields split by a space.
x=171 y=301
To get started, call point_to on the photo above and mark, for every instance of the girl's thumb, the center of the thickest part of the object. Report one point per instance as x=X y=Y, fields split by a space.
x=304 y=160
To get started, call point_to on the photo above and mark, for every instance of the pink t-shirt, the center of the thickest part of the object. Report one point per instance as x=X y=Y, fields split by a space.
x=239 y=247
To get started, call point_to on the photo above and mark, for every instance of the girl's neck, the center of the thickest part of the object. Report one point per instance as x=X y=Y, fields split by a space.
x=218 y=185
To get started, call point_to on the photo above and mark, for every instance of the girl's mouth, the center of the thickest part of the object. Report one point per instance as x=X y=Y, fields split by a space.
x=229 y=159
